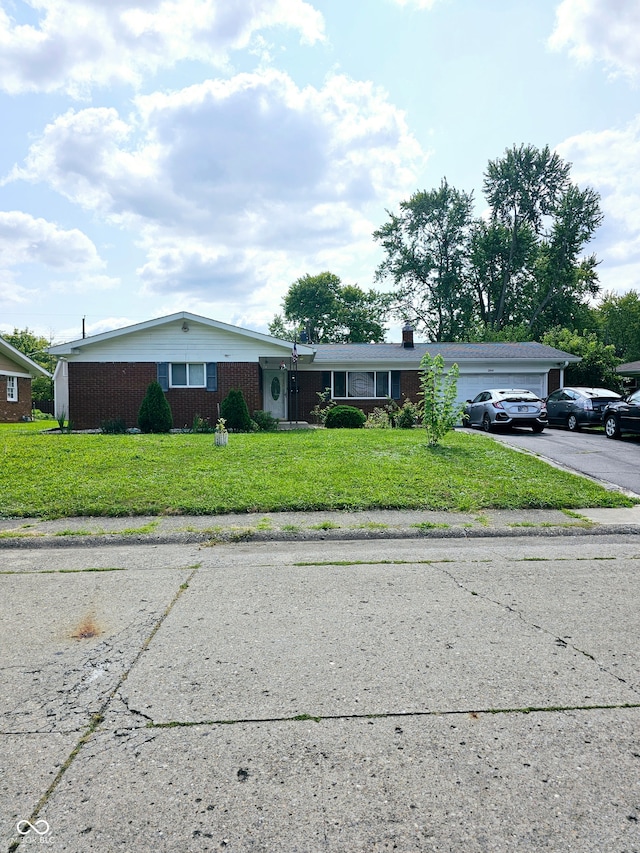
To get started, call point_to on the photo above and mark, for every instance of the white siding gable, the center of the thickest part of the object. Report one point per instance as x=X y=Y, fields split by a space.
x=168 y=342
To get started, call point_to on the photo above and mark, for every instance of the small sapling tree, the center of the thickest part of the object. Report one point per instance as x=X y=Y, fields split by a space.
x=440 y=412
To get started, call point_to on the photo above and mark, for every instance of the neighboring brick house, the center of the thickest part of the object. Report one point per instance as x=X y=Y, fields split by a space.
x=198 y=361
x=16 y=373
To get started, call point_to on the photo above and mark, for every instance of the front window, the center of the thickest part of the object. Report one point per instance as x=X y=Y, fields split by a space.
x=12 y=389
x=188 y=375
x=361 y=384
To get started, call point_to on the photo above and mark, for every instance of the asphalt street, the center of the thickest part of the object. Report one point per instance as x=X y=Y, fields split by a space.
x=615 y=461
x=412 y=695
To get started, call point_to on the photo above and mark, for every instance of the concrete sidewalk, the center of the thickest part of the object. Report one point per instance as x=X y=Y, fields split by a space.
x=423 y=694
x=310 y=526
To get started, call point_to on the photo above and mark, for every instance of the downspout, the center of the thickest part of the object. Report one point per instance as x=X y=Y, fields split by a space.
x=562 y=367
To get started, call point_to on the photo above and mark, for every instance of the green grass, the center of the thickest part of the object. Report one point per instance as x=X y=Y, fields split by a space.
x=29 y=427
x=55 y=475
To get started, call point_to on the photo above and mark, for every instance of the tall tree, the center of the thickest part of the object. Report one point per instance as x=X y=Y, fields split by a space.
x=427 y=247
x=548 y=220
x=493 y=258
x=329 y=312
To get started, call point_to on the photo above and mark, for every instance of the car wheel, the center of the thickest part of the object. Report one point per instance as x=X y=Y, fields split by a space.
x=537 y=427
x=486 y=423
x=611 y=427
x=572 y=423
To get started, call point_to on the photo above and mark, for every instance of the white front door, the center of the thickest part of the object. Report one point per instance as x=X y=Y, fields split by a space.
x=274 y=393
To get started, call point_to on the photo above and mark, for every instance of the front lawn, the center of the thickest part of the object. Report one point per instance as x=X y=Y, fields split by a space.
x=55 y=475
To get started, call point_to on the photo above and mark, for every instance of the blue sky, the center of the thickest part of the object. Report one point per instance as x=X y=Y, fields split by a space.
x=200 y=155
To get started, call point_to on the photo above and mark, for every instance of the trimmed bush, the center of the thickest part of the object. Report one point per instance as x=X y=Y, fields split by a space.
x=155 y=412
x=265 y=420
x=113 y=426
x=345 y=417
x=235 y=412
x=408 y=416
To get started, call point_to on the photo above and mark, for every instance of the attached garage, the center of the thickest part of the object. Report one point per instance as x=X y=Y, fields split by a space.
x=470 y=384
x=530 y=365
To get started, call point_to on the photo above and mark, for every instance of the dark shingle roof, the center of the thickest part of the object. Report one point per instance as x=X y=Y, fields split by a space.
x=629 y=367
x=449 y=351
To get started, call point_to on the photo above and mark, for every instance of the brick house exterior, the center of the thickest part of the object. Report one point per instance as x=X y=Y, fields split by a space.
x=102 y=391
x=198 y=361
x=16 y=372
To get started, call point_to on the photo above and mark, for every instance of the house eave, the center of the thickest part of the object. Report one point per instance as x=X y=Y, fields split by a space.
x=32 y=369
x=75 y=347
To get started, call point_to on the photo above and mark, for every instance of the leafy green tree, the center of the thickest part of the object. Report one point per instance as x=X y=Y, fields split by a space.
x=426 y=250
x=539 y=224
x=619 y=323
x=154 y=414
x=599 y=361
x=329 y=312
x=361 y=315
x=35 y=346
x=235 y=411
x=279 y=329
x=440 y=411
x=521 y=266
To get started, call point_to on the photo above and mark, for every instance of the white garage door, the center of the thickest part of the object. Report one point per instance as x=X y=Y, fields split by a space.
x=470 y=384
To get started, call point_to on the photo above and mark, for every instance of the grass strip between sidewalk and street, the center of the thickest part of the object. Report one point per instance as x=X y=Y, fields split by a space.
x=52 y=475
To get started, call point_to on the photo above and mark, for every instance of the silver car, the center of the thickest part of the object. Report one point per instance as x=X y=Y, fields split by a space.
x=506 y=408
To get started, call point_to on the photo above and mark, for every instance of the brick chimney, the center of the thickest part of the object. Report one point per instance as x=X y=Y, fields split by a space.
x=407 y=336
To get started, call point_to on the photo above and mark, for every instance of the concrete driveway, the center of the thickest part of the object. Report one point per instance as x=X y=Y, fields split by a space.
x=417 y=695
x=588 y=452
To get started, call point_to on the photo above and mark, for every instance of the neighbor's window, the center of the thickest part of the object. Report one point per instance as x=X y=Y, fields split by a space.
x=189 y=375
x=12 y=389
x=365 y=384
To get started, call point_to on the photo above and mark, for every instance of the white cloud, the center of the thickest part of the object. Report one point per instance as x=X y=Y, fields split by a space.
x=85 y=284
x=78 y=44
x=25 y=239
x=12 y=294
x=220 y=178
x=603 y=30
x=608 y=162
x=418 y=4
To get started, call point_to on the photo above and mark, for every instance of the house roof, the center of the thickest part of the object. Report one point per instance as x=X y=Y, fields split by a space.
x=22 y=360
x=451 y=352
x=331 y=354
x=631 y=368
x=77 y=345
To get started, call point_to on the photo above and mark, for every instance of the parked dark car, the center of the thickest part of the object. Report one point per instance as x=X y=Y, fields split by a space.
x=576 y=407
x=506 y=408
x=622 y=416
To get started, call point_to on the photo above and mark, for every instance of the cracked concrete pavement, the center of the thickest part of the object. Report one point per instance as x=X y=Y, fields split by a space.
x=418 y=694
